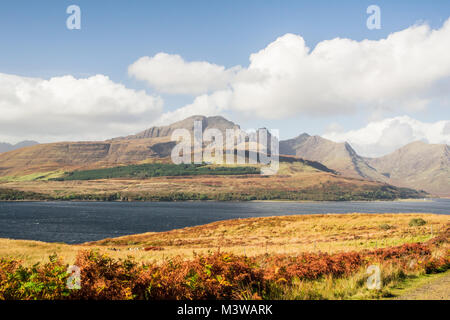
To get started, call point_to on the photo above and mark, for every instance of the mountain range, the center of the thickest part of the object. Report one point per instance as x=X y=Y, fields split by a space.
x=418 y=165
x=5 y=147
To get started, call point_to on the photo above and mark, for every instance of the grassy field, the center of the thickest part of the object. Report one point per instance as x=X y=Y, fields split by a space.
x=293 y=257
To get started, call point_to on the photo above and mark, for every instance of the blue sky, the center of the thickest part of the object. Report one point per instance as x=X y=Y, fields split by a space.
x=36 y=43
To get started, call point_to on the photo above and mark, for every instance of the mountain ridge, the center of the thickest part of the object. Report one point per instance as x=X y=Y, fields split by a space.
x=5 y=147
x=417 y=165
x=216 y=122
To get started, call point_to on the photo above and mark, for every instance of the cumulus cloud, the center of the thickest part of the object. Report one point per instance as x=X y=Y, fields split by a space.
x=66 y=108
x=206 y=105
x=171 y=74
x=400 y=73
x=382 y=137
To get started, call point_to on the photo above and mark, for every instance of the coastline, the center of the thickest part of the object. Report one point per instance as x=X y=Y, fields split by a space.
x=238 y=200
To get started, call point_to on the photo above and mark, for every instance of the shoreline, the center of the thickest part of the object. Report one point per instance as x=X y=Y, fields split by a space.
x=235 y=220
x=243 y=201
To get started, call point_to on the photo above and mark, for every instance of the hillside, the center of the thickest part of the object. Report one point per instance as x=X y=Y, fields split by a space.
x=417 y=165
x=337 y=156
x=153 y=143
x=294 y=181
x=216 y=122
x=44 y=158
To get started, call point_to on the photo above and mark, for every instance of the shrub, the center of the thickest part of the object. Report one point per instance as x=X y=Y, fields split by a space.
x=47 y=282
x=215 y=276
x=416 y=222
x=103 y=278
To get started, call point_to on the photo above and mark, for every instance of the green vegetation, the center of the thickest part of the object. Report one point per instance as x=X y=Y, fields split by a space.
x=10 y=194
x=37 y=176
x=146 y=182
x=386 y=226
x=413 y=282
x=325 y=192
x=149 y=170
x=417 y=222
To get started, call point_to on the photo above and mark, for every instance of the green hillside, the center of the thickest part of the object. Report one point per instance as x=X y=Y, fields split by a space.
x=155 y=170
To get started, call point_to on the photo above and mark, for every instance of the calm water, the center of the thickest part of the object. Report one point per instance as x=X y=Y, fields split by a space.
x=77 y=222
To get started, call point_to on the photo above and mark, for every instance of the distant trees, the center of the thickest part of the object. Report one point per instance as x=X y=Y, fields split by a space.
x=156 y=170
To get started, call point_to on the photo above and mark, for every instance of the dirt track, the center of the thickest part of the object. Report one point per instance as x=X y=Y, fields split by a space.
x=438 y=289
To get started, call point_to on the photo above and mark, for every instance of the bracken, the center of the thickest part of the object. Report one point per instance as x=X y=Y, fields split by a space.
x=218 y=275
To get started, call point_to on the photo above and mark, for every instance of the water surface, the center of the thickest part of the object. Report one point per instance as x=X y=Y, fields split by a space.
x=77 y=222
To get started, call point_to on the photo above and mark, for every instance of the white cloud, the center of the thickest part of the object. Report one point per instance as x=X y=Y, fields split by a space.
x=205 y=105
x=400 y=73
x=66 y=108
x=382 y=137
x=171 y=74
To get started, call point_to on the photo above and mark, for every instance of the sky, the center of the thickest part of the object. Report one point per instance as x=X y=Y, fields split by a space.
x=296 y=66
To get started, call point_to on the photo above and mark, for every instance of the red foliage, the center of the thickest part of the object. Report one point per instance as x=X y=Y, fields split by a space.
x=153 y=248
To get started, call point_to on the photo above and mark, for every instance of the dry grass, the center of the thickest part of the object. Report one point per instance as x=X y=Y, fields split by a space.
x=292 y=177
x=254 y=236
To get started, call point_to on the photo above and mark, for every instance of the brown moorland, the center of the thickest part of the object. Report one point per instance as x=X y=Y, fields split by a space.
x=294 y=181
x=254 y=236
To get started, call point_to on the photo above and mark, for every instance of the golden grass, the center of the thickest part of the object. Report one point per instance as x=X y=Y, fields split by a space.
x=44 y=176
x=291 y=178
x=254 y=236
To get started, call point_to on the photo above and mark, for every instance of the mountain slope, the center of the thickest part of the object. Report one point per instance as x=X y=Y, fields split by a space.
x=337 y=156
x=418 y=165
x=5 y=147
x=71 y=155
x=216 y=122
x=153 y=143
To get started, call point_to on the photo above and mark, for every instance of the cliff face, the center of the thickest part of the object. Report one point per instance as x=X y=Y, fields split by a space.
x=216 y=122
x=65 y=155
x=153 y=143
